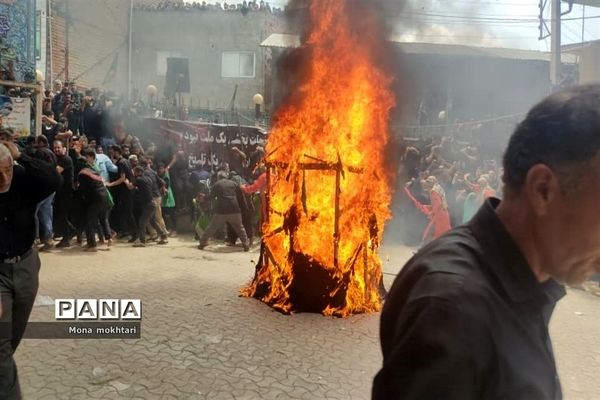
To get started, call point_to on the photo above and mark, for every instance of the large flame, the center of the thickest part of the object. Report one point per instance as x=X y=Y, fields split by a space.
x=337 y=123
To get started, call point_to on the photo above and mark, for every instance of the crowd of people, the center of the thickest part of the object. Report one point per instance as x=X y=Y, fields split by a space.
x=112 y=182
x=446 y=182
x=114 y=186
x=243 y=7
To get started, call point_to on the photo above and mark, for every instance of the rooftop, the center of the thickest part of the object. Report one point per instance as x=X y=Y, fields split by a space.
x=281 y=40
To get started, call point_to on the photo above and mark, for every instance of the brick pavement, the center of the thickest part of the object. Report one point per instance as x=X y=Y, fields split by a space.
x=201 y=341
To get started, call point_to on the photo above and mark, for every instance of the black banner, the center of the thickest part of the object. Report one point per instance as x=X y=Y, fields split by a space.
x=204 y=144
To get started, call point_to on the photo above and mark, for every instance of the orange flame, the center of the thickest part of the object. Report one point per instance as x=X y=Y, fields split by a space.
x=338 y=123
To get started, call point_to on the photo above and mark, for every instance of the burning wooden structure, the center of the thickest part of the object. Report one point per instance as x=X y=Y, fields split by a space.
x=328 y=190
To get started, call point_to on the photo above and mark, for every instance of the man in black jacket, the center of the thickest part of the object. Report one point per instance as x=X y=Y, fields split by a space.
x=123 y=195
x=94 y=195
x=22 y=187
x=144 y=207
x=44 y=213
x=64 y=196
x=225 y=193
x=467 y=317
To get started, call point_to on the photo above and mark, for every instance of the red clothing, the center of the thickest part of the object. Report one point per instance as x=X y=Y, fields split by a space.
x=257 y=186
x=437 y=212
x=440 y=218
x=488 y=192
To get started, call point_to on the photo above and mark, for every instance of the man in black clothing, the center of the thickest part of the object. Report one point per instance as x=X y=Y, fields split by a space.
x=467 y=318
x=225 y=193
x=77 y=213
x=44 y=214
x=50 y=127
x=22 y=187
x=64 y=195
x=95 y=198
x=123 y=195
x=144 y=207
x=75 y=115
x=59 y=102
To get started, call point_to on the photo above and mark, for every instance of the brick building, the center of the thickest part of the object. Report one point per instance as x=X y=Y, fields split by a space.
x=85 y=40
x=88 y=41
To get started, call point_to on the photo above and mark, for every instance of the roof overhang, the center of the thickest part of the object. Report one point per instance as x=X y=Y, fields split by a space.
x=285 y=41
x=592 y=3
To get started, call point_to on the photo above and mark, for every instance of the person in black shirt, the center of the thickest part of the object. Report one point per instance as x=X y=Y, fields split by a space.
x=123 y=195
x=77 y=206
x=64 y=195
x=49 y=127
x=225 y=193
x=76 y=113
x=91 y=120
x=467 y=317
x=22 y=187
x=44 y=214
x=95 y=197
x=144 y=206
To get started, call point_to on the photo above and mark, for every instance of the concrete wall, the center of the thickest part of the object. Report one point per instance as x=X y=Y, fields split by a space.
x=589 y=64
x=98 y=33
x=202 y=37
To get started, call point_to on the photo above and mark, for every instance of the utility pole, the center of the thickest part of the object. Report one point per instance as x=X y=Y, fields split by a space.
x=583 y=27
x=555 y=63
x=67 y=23
x=129 y=51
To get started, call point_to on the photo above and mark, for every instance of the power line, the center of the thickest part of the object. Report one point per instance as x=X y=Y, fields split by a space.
x=488 y=3
x=570 y=31
x=528 y=19
x=468 y=17
x=473 y=36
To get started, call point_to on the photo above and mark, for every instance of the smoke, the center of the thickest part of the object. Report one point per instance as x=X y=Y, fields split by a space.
x=439 y=21
x=293 y=64
x=430 y=21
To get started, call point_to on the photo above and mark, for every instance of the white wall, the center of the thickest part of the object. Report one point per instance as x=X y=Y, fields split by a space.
x=589 y=64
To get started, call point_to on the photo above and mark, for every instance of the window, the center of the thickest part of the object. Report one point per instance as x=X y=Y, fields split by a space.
x=238 y=64
x=38 y=35
x=161 y=61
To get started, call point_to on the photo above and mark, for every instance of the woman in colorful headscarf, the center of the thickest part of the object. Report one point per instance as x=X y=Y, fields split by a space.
x=437 y=212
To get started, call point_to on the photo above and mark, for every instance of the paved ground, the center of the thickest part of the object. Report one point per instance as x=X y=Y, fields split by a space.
x=201 y=341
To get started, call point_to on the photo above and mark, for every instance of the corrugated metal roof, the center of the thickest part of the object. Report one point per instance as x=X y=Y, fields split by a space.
x=289 y=41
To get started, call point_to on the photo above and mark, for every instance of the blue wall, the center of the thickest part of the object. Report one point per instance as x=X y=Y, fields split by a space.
x=17 y=39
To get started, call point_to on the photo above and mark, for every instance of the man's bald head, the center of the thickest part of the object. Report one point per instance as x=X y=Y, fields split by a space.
x=6 y=169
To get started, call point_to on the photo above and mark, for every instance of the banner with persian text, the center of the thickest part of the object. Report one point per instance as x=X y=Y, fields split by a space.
x=205 y=145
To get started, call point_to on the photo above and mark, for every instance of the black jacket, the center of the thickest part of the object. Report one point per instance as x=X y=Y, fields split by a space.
x=33 y=180
x=92 y=190
x=467 y=319
x=143 y=190
x=225 y=193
